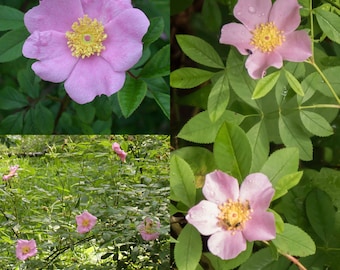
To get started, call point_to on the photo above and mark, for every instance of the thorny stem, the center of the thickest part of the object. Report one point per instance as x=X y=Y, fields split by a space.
x=295 y=261
x=291 y=258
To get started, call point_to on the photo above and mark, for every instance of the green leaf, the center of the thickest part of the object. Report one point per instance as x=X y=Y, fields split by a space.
x=294 y=83
x=131 y=95
x=155 y=30
x=12 y=99
x=280 y=163
x=38 y=120
x=218 y=98
x=200 y=129
x=103 y=107
x=160 y=91
x=265 y=84
x=182 y=181
x=293 y=135
x=85 y=112
x=329 y=23
x=12 y=124
x=240 y=81
x=212 y=17
x=285 y=183
x=308 y=86
x=158 y=65
x=10 y=18
x=266 y=259
x=200 y=159
x=199 y=51
x=259 y=142
x=188 y=250
x=315 y=82
x=163 y=101
x=294 y=241
x=189 y=77
x=29 y=82
x=11 y=44
x=218 y=263
x=232 y=151
x=321 y=213
x=316 y=124
x=279 y=224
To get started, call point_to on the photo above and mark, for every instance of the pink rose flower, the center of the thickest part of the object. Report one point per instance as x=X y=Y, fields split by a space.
x=12 y=172
x=233 y=216
x=85 y=222
x=267 y=34
x=122 y=155
x=25 y=249
x=149 y=229
x=89 y=44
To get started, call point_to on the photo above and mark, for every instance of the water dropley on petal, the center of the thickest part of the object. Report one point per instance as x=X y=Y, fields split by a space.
x=251 y=10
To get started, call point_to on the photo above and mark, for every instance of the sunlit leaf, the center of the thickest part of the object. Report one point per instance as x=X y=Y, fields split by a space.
x=188 y=250
x=294 y=241
x=199 y=51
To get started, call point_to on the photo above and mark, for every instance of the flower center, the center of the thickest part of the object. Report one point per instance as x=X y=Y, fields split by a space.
x=25 y=249
x=85 y=223
x=267 y=37
x=234 y=215
x=87 y=37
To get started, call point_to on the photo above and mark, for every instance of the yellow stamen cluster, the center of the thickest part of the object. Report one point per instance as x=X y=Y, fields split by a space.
x=85 y=222
x=25 y=249
x=233 y=215
x=87 y=37
x=266 y=37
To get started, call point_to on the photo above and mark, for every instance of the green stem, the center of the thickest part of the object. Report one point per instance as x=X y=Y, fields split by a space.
x=311 y=25
x=316 y=106
x=324 y=79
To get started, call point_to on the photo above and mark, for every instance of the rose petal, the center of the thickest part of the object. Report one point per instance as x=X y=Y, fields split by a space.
x=53 y=15
x=91 y=77
x=258 y=62
x=252 y=12
x=260 y=227
x=56 y=60
x=204 y=217
x=297 y=47
x=219 y=187
x=238 y=35
x=104 y=10
x=257 y=189
x=285 y=14
x=123 y=44
x=226 y=245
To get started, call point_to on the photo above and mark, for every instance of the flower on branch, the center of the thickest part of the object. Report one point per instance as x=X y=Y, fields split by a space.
x=149 y=229
x=85 y=222
x=12 y=172
x=233 y=215
x=267 y=34
x=122 y=155
x=88 y=44
x=26 y=249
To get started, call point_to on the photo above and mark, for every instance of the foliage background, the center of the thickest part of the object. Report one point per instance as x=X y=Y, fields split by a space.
x=31 y=106
x=60 y=177
x=217 y=123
